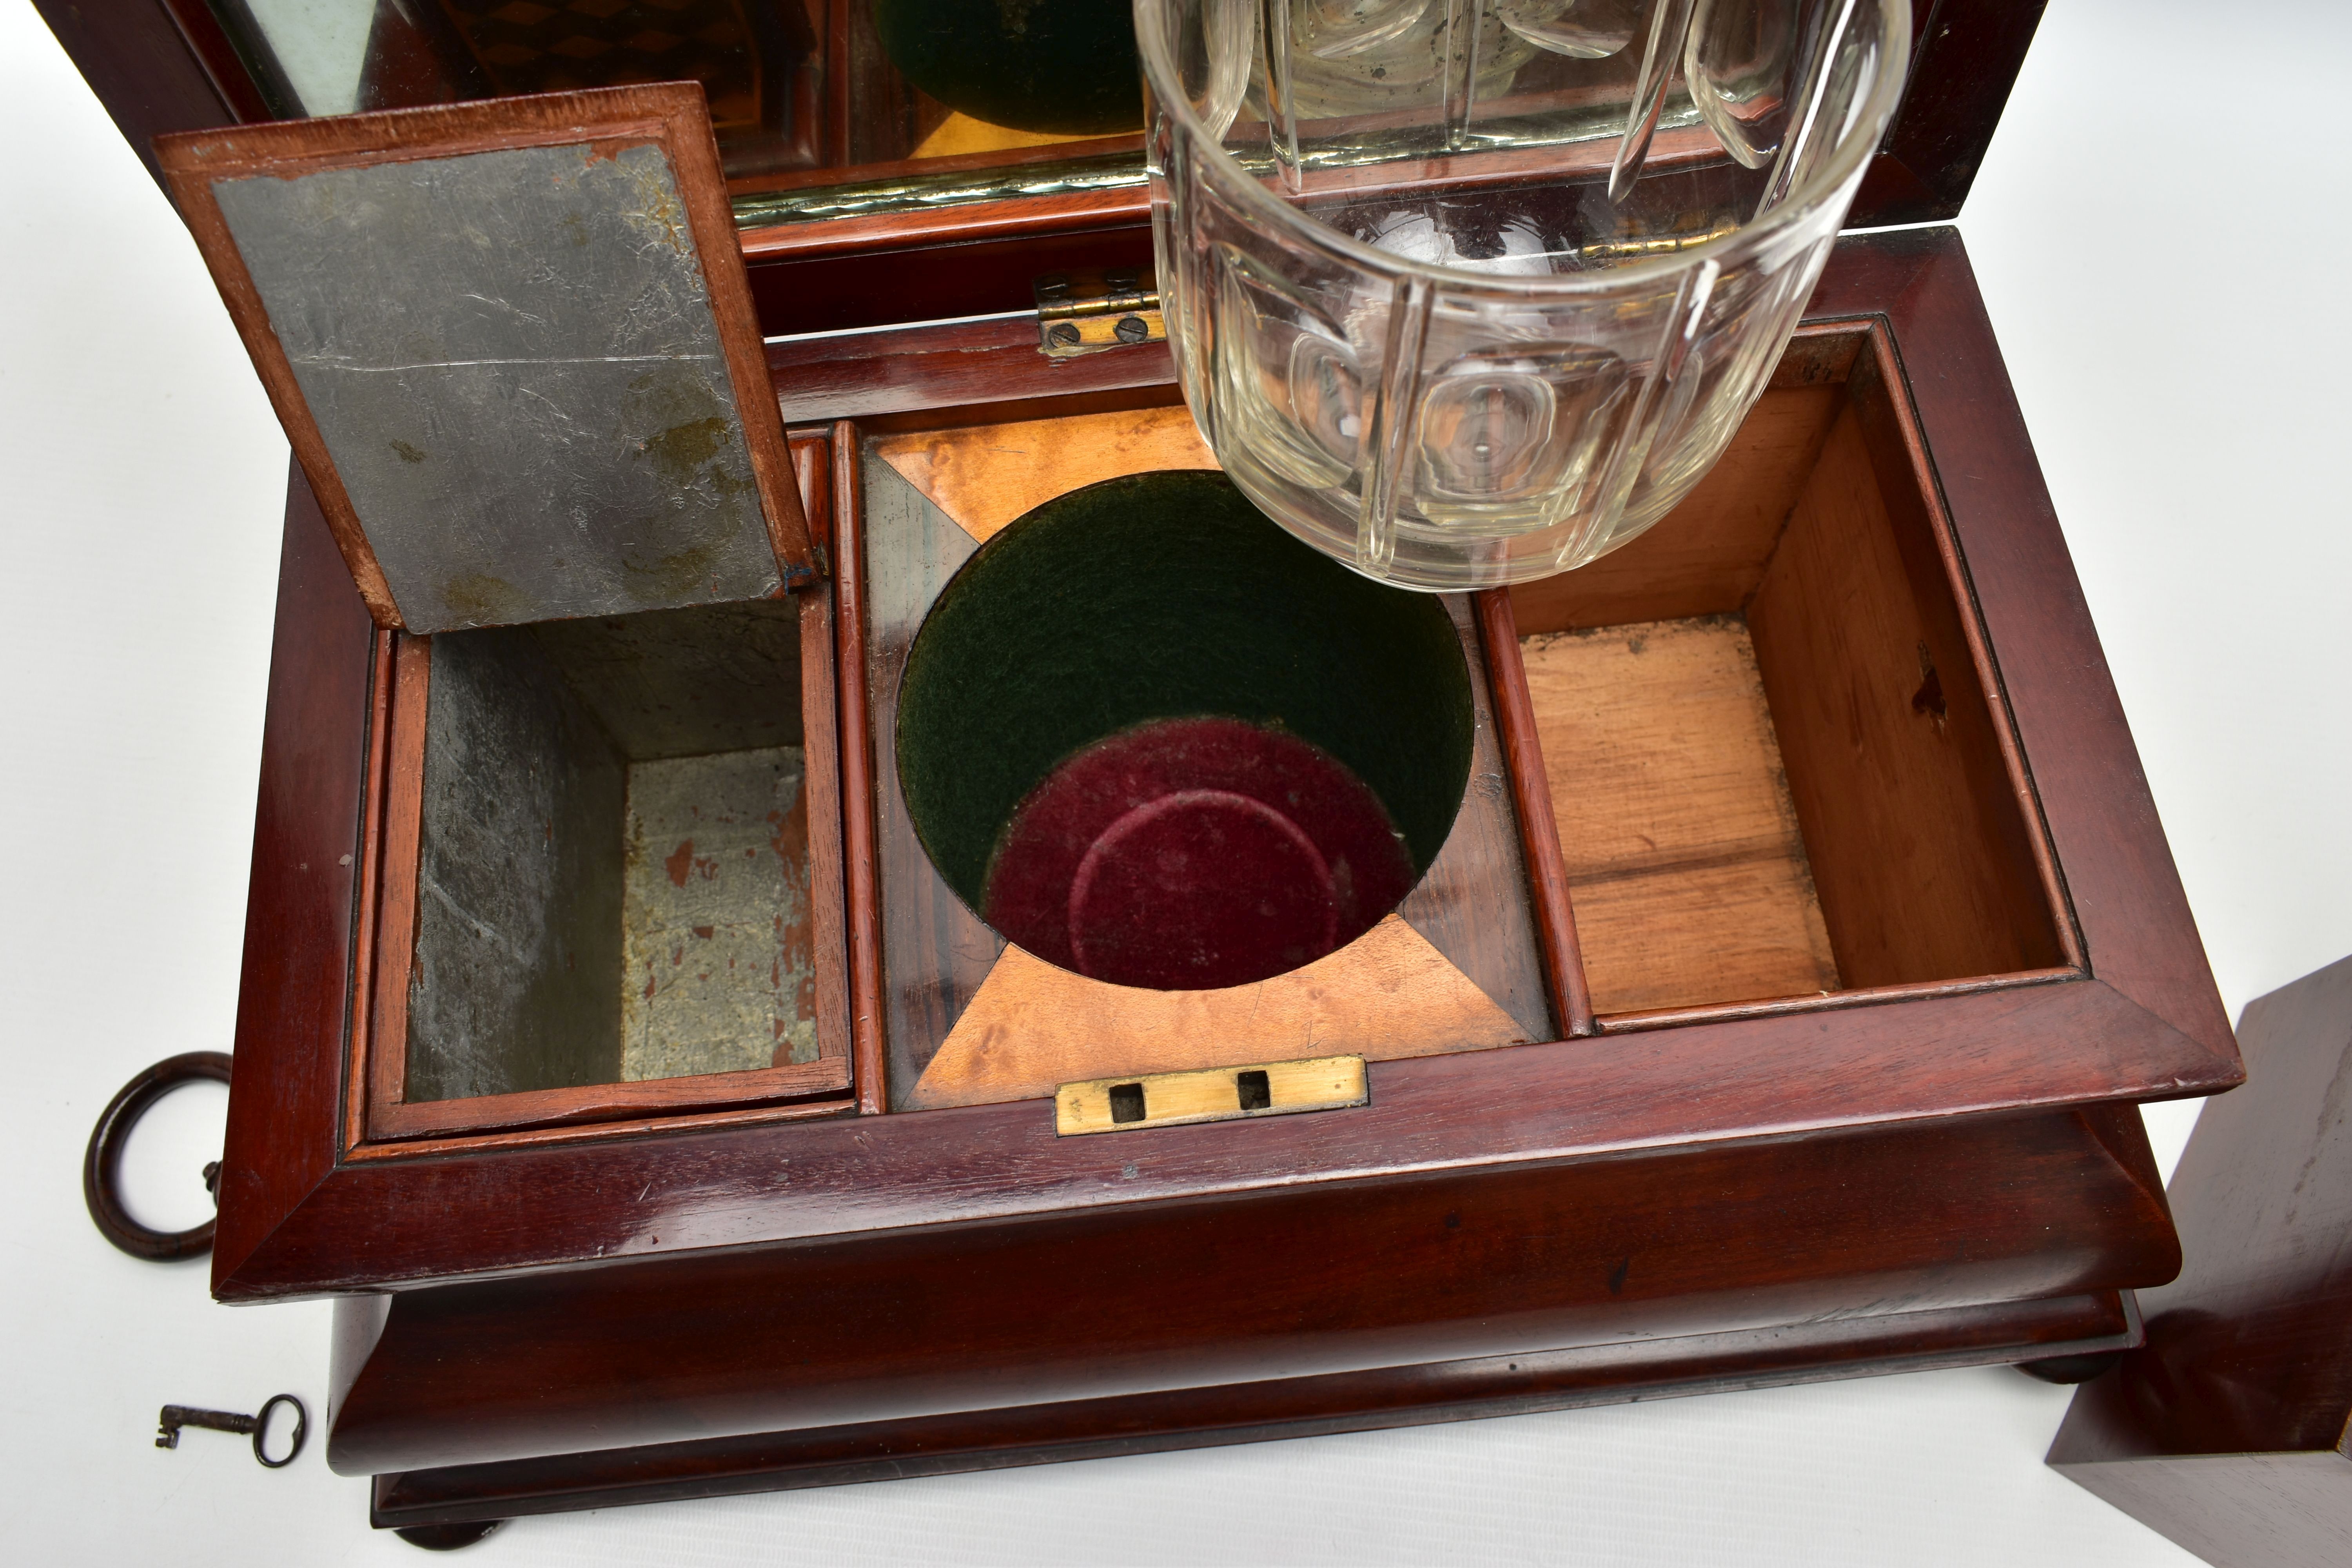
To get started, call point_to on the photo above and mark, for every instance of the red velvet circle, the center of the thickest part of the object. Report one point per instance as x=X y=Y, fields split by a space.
x=1149 y=896
x=1189 y=854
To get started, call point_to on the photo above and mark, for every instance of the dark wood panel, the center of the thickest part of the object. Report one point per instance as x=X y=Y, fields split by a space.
x=1965 y=57
x=879 y=171
x=909 y=369
x=1303 y=1282
x=2251 y=1349
x=825 y=284
x=554 y=1202
x=143 y=67
x=820 y=697
x=860 y=874
x=628 y=1103
x=1514 y=724
x=377 y=1046
x=2236 y=1511
x=164 y=64
x=2226 y=1430
x=294 y=992
x=1248 y=1413
x=980 y=258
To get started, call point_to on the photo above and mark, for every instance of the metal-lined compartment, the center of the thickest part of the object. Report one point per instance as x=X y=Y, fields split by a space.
x=613 y=880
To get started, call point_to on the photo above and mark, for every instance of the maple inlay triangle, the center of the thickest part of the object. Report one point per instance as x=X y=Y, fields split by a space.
x=1032 y=1027
x=987 y=476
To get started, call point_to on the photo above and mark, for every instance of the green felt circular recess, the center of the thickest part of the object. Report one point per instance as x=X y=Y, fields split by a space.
x=1168 y=595
x=1067 y=67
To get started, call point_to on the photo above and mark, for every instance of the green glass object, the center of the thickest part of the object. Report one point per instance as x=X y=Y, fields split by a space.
x=1062 y=66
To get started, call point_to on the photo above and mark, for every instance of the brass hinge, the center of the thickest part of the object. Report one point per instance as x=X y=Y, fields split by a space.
x=1087 y=313
x=1212 y=1094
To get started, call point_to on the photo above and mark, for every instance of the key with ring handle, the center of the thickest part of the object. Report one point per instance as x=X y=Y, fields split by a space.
x=174 y=1416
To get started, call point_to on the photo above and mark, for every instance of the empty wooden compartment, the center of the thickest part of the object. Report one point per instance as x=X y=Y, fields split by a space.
x=1771 y=740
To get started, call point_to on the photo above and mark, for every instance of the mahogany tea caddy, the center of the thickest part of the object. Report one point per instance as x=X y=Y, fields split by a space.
x=1773 y=1010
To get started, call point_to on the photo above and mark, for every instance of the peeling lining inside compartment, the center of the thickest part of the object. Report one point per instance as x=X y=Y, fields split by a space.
x=715 y=953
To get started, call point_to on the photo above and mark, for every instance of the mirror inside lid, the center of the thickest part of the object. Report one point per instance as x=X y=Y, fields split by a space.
x=901 y=100
x=513 y=347
x=834 y=109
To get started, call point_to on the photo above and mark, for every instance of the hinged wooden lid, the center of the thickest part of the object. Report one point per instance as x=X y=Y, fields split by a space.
x=514 y=348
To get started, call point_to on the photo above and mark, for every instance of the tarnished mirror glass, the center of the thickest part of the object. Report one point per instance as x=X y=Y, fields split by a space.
x=828 y=109
x=523 y=382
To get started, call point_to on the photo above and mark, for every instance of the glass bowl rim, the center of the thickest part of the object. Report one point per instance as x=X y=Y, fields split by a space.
x=1752 y=235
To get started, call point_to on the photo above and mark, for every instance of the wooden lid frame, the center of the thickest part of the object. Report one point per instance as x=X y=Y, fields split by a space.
x=671 y=119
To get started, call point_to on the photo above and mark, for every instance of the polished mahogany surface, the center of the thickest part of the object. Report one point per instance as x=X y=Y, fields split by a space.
x=1257 y=1412
x=1310 y=1281
x=1930 y=1165
x=2144 y=1023
x=2227 y=1430
x=158 y=66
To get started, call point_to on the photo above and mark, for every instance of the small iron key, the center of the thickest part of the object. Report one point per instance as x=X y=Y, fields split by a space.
x=174 y=1416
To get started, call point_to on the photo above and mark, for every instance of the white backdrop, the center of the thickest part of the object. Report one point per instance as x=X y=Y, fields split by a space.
x=2161 y=279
